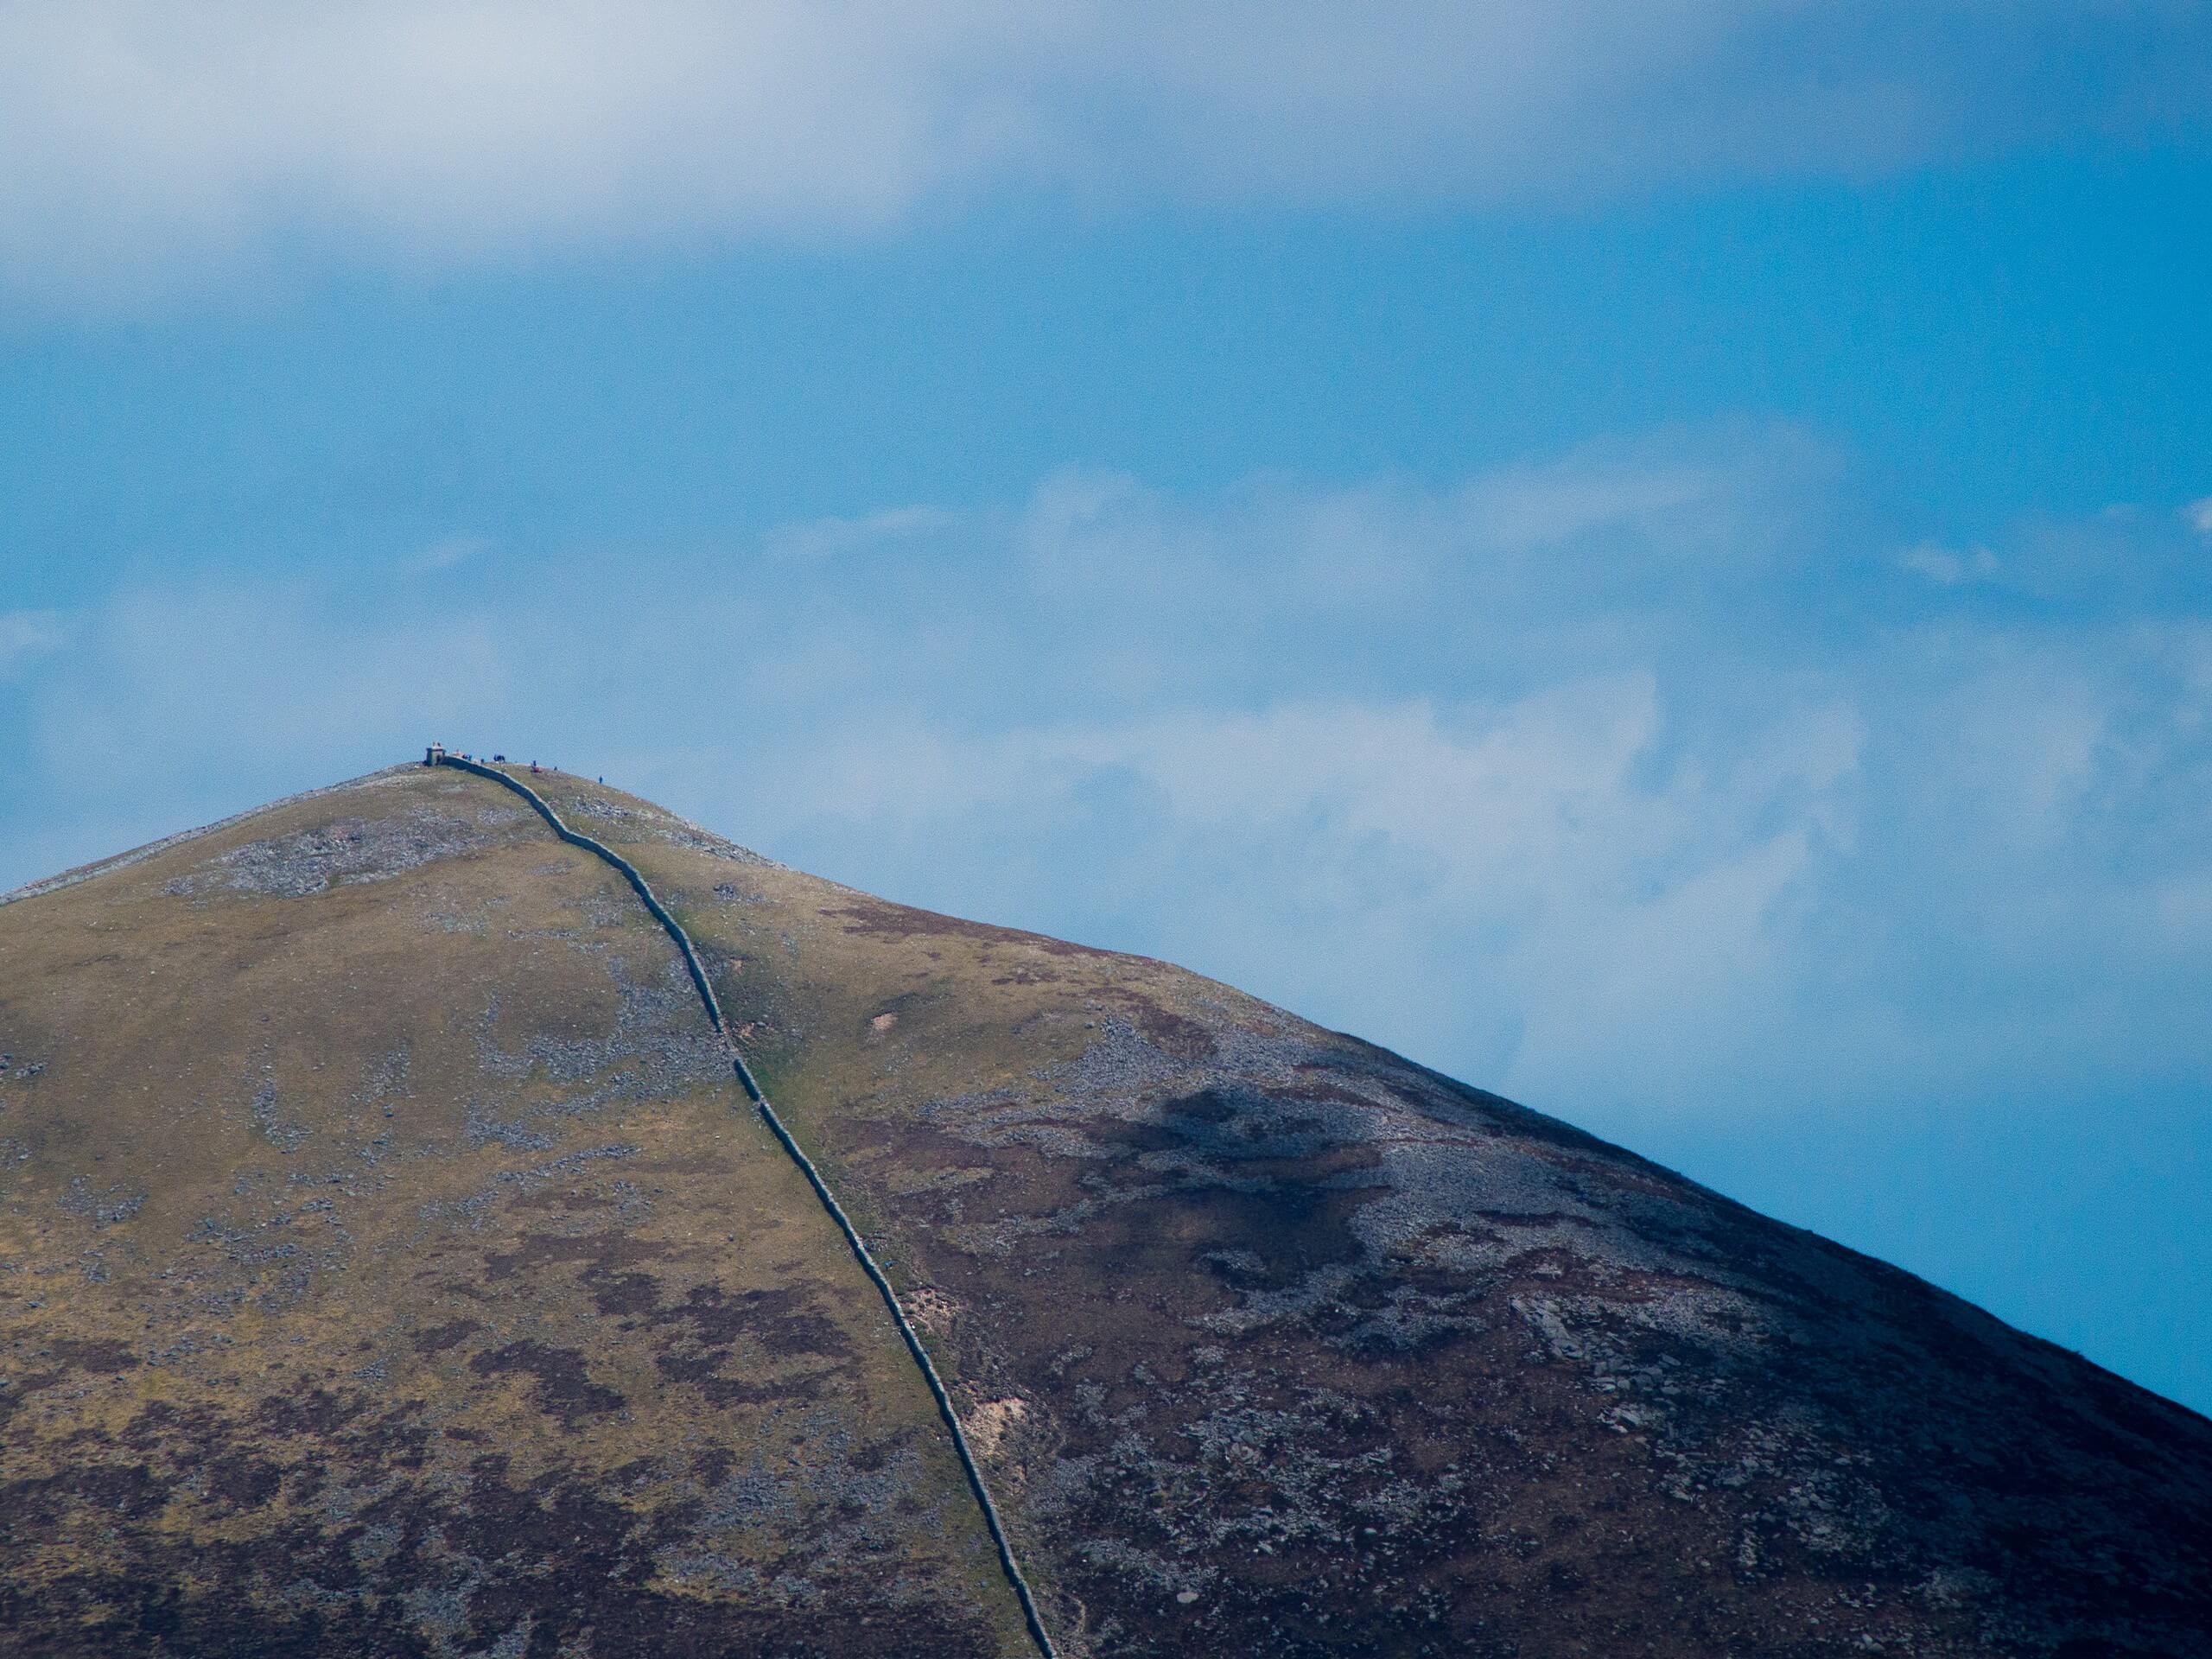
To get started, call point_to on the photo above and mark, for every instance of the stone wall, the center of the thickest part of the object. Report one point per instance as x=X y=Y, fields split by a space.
x=835 y=1210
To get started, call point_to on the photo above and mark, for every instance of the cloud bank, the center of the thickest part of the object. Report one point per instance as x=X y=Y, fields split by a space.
x=1643 y=781
x=142 y=144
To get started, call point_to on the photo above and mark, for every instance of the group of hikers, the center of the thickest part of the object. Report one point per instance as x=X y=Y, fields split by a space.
x=438 y=752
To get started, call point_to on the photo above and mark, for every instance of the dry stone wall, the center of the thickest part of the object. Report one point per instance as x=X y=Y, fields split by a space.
x=861 y=1253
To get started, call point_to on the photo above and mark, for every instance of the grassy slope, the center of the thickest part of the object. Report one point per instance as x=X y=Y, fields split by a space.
x=390 y=1266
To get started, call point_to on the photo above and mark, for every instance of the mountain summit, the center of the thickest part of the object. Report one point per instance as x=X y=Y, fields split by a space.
x=392 y=1262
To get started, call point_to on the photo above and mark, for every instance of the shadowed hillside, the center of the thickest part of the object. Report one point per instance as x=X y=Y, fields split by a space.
x=390 y=1263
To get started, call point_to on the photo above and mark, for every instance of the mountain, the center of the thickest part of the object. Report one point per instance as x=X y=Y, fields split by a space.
x=391 y=1262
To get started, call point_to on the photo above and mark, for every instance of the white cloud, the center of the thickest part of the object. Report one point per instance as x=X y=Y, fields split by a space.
x=26 y=635
x=1949 y=568
x=137 y=142
x=1536 y=506
x=240 y=688
x=445 y=554
x=825 y=539
x=2199 y=516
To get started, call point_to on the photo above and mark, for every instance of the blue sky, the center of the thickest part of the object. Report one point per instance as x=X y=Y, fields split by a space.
x=1654 y=557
